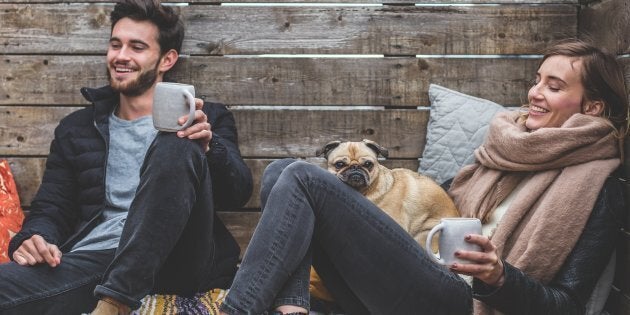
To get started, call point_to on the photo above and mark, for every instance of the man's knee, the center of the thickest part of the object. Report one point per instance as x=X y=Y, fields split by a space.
x=169 y=144
x=170 y=153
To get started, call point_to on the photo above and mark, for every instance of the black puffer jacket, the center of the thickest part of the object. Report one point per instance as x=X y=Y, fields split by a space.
x=71 y=197
x=571 y=288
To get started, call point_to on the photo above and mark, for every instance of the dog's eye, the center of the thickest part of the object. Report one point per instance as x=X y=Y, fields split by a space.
x=340 y=164
x=368 y=164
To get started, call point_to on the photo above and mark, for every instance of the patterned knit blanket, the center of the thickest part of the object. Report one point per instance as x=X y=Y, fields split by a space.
x=201 y=304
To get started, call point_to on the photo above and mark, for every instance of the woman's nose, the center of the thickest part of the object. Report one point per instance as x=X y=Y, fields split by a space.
x=534 y=91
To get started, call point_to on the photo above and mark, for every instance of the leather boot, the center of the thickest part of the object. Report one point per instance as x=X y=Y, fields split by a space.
x=109 y=306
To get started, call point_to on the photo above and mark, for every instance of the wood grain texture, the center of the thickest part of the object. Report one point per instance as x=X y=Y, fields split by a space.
x=407 y=2
x=400 y=82
x=607 y=23
x=241 y=225
x=28 y=130
x=262 y=133
x=227 y=30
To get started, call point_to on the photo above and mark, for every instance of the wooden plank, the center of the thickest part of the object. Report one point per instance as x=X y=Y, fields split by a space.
x=408 y=2
x=390 y=30
x=298 y=133
x=606 y=22
x=28 y=172
x=28 y=130
x=625 y=61
x=241 y=225
x=56 y=80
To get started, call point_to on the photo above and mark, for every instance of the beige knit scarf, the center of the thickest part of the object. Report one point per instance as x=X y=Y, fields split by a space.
x=566 y=167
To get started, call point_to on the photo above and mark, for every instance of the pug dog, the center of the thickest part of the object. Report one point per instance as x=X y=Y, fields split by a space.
x=414 y=201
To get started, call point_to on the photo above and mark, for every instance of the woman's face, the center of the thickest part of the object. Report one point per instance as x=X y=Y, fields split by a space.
x=557 y=94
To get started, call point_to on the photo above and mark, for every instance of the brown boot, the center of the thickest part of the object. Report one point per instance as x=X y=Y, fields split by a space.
x=109 y=306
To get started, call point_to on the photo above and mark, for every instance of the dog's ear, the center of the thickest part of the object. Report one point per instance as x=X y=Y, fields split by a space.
x=376 y=148
x=327 y=148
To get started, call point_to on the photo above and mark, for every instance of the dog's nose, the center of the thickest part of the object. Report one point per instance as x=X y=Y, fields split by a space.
x=356 y=180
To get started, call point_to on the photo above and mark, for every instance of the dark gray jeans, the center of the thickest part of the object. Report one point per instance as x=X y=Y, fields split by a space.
x=166 y=244
x=368 y=262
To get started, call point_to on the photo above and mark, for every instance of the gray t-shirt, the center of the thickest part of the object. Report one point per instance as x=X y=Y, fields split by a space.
x=128 y=144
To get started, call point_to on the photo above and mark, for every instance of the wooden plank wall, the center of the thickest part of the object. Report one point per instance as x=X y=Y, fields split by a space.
x=293 y=73
x=298 y=73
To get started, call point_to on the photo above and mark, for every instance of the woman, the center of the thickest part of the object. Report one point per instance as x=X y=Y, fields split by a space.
x=540 y=185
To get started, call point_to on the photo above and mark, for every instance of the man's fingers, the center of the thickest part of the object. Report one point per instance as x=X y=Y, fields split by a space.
x=43 y=250
x=55 y=255
x=198 y=103
x=30 y=251
x=19 y=258
x=25 y=258
x=36 y=250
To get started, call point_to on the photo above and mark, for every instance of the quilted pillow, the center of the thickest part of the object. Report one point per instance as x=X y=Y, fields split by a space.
x=457 y=126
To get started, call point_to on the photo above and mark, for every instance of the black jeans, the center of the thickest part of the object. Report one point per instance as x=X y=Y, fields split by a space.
x=166 y=244
x=367 y=261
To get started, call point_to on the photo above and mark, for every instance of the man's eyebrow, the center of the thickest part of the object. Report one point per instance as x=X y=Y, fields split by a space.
x=133 y=41
x=137 y=41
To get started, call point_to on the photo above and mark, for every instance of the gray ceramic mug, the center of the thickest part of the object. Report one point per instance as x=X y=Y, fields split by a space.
x=171 y=101
x=452 y=234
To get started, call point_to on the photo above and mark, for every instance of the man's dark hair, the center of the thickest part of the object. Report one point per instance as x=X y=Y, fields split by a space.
x=170 y=26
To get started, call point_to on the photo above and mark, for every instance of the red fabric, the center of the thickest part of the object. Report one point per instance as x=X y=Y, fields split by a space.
x=11 y=215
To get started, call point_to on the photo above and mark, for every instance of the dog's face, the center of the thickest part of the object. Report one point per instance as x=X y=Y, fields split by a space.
x=355 y=163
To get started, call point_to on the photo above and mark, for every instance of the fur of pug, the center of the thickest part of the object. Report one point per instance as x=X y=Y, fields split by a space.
x=414 y=201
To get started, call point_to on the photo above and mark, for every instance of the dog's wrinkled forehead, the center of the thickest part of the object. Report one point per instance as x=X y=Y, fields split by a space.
x=365 y=148
x=352 y=152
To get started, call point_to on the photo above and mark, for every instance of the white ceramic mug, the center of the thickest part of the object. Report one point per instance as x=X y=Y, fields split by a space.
x=452 y=234
x=170 y=102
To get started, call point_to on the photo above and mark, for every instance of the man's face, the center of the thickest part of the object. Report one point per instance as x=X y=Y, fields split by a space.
x=133 y=56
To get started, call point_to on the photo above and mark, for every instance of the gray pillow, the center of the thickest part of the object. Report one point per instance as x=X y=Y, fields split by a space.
x=457 y=126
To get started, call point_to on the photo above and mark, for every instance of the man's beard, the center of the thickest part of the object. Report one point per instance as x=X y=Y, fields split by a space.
x=138 y=85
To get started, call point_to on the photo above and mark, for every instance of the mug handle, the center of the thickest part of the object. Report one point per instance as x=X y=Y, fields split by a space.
x=434 y=230
x=191 y=113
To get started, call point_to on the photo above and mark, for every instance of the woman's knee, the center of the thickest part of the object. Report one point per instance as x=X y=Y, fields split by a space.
x=270 y=177
x=289 y=169
x=273 y=170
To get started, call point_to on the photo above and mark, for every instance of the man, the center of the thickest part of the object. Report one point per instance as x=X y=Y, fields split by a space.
x=124 y=211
